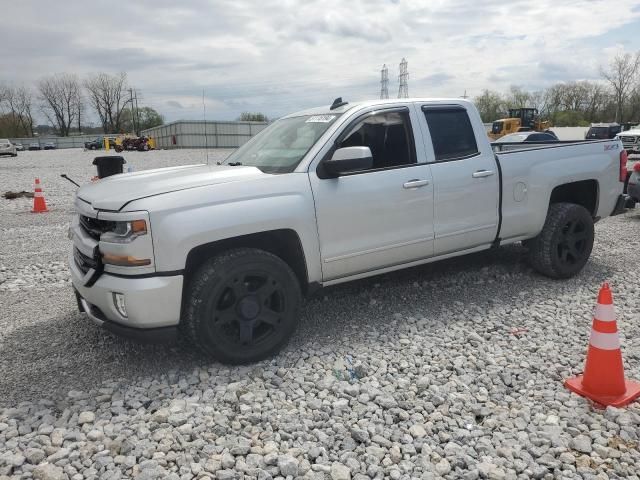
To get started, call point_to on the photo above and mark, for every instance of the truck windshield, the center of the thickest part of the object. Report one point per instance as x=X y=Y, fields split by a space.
x=280 y=147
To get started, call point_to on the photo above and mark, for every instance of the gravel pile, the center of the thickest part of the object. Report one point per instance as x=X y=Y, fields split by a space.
x=450 y=370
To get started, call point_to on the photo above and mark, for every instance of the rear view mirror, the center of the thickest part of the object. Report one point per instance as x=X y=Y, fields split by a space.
x=349 y=159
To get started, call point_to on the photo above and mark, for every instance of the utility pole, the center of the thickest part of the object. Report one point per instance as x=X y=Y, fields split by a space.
x=384 y=82
x=403 y=78
x=133 y=118
x=137 y=113
x=465 y=94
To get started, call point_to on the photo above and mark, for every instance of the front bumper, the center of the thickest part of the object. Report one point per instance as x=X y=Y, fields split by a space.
x=152 y=302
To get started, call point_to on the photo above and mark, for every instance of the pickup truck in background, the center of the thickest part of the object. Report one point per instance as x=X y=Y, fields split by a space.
x=224 y=253
x=630 y=140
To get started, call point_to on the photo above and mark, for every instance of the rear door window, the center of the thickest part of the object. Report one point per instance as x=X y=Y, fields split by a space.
x=451 y=133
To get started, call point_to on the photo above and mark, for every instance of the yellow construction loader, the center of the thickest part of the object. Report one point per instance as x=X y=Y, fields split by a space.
x=519 y=120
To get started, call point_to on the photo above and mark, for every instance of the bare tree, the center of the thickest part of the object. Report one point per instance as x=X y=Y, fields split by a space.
x=490 y=104
x=107 y=96
x=17 y=103
x=518 y=97
x=60 y=97
x=621 y=75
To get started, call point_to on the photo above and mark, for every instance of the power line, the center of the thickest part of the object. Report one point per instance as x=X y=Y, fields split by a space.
x=403 y=78
x=384 y=82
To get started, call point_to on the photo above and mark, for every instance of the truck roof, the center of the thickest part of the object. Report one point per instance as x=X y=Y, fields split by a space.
x=326 y=110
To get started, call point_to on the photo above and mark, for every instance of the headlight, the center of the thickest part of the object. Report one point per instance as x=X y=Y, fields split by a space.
x=125 y=232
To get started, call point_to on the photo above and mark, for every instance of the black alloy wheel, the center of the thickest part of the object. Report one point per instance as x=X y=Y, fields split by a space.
x=242 y=305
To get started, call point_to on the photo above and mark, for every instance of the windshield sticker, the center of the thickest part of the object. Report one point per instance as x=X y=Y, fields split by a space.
x=320 y=119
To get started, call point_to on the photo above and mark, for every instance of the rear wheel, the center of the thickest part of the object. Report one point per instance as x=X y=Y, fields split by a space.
x=243 y=306
x=564 y=245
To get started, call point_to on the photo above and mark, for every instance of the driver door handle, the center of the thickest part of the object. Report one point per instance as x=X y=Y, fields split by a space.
x=415 y=183
x=482 y=173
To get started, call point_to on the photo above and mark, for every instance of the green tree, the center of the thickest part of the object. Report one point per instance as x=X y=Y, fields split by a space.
x=253 y=117
x=146 y=117
x=570 y=118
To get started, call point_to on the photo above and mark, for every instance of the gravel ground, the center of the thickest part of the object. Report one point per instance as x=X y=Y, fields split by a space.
x=450 y=370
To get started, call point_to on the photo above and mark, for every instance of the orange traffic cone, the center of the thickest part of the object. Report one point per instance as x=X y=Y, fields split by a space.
x=603 y=378
x=39 y=205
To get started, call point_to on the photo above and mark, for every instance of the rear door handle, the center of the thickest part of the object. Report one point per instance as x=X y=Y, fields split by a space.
x=415 y=183
x=482 y=173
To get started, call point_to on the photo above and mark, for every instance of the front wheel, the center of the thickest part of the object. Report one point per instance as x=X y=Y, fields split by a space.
x=564 y=245
x=242 y=306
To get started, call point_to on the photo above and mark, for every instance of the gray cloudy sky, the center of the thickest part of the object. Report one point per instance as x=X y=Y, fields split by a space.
x=277 y=56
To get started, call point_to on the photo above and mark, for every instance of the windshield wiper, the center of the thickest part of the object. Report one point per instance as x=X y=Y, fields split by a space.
x=234 y=164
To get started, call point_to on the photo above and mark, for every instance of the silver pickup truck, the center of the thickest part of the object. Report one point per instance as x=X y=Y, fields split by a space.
x=224 y=253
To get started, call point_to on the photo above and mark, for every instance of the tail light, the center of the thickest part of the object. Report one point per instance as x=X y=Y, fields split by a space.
x=636 y=167
x=623 y=166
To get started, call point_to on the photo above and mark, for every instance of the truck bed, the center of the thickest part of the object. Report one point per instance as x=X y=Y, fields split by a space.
x=528 y=176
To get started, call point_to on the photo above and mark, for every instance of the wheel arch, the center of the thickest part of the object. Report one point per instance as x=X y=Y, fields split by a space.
x=584 y=192
x=283 y=243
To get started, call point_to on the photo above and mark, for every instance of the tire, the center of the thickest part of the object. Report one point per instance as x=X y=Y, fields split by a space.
x=564 y=245
x=242 y=306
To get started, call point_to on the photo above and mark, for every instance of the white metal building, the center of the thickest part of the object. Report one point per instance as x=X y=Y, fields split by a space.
x=191 y=134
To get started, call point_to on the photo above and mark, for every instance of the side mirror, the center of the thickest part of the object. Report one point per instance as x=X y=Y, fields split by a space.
x=349 y=159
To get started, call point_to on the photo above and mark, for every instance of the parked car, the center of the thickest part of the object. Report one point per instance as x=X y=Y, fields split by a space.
x=601 y=131
x=19 y=147
x=633 y=185
x=34 y=146
x=98 y=143
x=631 y=140
x=517 y=141
x=528 y=137
x=321 y=197
x=49 y=146
x=7 y=148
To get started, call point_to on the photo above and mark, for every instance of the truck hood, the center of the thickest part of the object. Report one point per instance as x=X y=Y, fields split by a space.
x=113 y=193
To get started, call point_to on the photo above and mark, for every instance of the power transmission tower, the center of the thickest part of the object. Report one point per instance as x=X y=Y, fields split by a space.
x=384 y=82
x=403 y=78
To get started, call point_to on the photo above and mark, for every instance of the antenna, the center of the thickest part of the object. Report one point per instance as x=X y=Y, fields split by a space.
x=204 y=119
x=403 y=89
x=384 y=82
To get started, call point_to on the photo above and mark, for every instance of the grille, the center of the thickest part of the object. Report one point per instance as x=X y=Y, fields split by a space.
x=628 y=139
x=84 y=262
x=95 y=227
